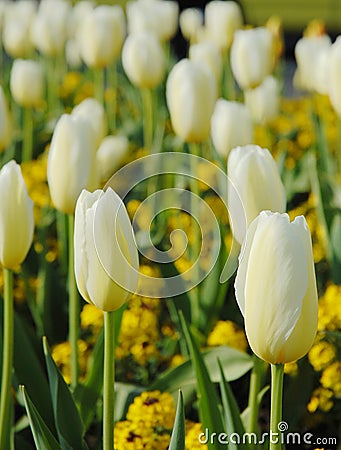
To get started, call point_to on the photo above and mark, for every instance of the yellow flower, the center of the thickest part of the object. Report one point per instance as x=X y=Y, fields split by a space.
x=61 y=355
x=329 y=315
x=321 y=355
x=227 y=333
x=291 y=368
x=321 y=399
x=91 y=317
x=193 y=431
x=331 y=378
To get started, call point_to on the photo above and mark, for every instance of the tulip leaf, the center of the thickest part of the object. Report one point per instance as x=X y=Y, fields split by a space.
x=335 y=237
x=177 y=441
x=69 y=425
x=233 y=422
x=43 y=438
x=210 y=413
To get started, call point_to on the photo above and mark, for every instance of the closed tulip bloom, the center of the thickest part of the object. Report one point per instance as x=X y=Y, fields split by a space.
x=5 y=122
x=231 y=125
x=252 y=56
x=253 y=172
x=110 y=155
x=307 y=52
x=191 y=94
x=222 y=19
x=93 y=112
x=335 y=76
x=276 y=288
x=102 y=35
x=71 y=162
x=106 y=258
x=27 y=83
x=144 y=60
x=207 y=53
x=263 y=101
x=190 y=21
x=16 y=217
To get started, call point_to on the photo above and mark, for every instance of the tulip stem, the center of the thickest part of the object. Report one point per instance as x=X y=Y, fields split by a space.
x=147 y=104
x=99 y=81
x=7 y=359
x=277 y=374
x=112 y=104
x=109 y=380
x=27 y=143
x=228 y=79
x=255 y=386
x=73 y=308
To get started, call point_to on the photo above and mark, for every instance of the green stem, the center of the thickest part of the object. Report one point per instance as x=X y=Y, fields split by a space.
x=277 y=374
x=73 y=308
x=112 y=104
x=99 y=81
x=52 y=88
x=338 y=148
x=27 y=148
x=109 y=380
x=147 y=104
x=7 y=359
x=255 y=386
x=228 y=79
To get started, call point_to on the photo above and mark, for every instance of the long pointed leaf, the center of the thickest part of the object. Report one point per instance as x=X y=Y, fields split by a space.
x=69 y=425
x=43 y=438
x=210 y=414
x=178 y=434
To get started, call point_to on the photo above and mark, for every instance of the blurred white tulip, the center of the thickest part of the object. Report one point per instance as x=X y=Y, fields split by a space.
x=106 y=258
x=190 y=21
x=231 y=125
x=207 y=53
x=335 y=76
x=27 y=83
x=16 y=217
x=92 y=111
x=110 y=155
x=264 y=100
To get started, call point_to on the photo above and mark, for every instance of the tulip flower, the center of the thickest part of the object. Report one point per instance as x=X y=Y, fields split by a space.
x=93 y=112
x=5 y=122
x=253 y=175
x=110 y=155
x=222 y=19
x=27 y=83
x=70 y=163
x=190 y=21
x=231 y=125
x=263 y=101
x=208 y=54
x=252 y=56
x=191 y=94
x=16 y=235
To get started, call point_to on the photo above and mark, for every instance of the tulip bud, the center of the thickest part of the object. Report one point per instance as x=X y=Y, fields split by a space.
x=190 y=20
x=263 y=101
x=334 y=76
x=191 y=93
x=307 y=51
x=27 y=83
x=71 y=162
x=231 y=125
x=50 y=27
x=222 y=19
x=144 y=60
x=252 y=56
x=253 y=175
x=16 y=217
x=102 y=35
x=276 y=288
x=106 y=258
x=207 y=53
x=93 y=112
x=110 y=155
x=5 y=122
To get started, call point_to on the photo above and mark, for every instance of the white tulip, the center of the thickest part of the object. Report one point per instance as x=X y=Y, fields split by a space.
x=231 y=125
x=144 y=60
x=253 y=179
x=276 y=288
x=106 y=258
x=93 y=112
x=222 y=19
x=102 y=35
x=27 y=83
x=191 y=94
x=5 y=122
x=335 y=76
x=110 y=155
x=190 y=21
x=71 y=162
x=16 y=217
x=252 y=56
x=263 y=101
x=207 y=53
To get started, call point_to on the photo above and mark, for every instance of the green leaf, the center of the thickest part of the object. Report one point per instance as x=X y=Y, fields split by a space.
x=178 y=434
x=210 y=414
x=245 y=416
x=335 y=238
x=233 y=421
x=235 y=363
x=43 y=438
x=69 y=425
